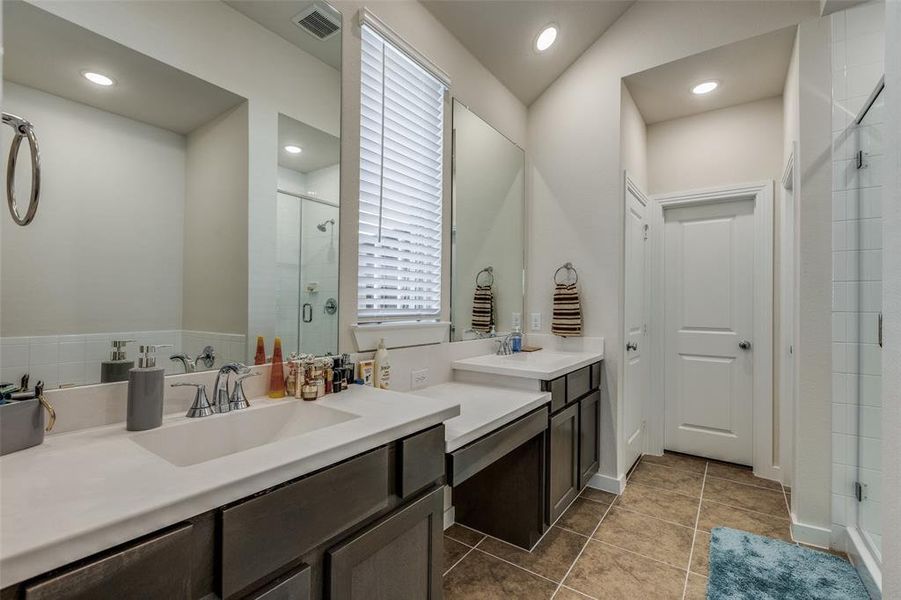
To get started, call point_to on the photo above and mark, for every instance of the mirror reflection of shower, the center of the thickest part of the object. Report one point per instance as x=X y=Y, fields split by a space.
x=307 y=224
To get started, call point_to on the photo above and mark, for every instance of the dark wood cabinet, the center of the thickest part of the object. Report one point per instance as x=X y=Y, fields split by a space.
x=401 y=556
x=265 y=534
x=376 y=517
x=589 y=436
x=563 y=459
x=158 y=566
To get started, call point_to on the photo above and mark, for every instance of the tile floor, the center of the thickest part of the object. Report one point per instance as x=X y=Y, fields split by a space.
x=651 y=542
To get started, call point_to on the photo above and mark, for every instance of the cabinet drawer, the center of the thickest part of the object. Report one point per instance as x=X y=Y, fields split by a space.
x=578 y=383
x=158 y=567
x=557 y=388
x=294 y=586
x=596 y=376
x=420 y=460
x=269 y=532
x=469 y=460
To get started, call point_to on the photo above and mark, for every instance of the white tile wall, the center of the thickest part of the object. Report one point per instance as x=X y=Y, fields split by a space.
x=67 y=360
x=858 y=49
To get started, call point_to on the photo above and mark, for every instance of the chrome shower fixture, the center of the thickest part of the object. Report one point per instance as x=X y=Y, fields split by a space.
x=322 y=226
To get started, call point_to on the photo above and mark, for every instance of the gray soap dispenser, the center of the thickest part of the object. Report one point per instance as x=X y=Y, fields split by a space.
x=118 y=365
x=145 y=391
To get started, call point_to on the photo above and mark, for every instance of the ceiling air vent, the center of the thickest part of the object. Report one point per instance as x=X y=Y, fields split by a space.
x=319 y=20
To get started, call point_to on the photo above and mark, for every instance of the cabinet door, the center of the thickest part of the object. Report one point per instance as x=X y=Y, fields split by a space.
x=401 y=556
x=589 y=436
x=563 y=478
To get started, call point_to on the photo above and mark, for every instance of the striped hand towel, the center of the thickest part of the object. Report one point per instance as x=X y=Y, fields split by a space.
x=483 y=309
x=567 y=321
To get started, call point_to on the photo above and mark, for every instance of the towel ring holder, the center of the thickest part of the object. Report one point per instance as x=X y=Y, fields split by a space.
x=569 y=268
x=24 y=130
x=489 y=271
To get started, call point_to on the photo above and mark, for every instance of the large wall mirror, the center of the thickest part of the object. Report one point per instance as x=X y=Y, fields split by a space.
x=488 y=229
x=162 y=194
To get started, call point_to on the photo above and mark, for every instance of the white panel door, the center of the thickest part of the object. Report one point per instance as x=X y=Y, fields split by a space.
x=708 y=287
x=636 y=381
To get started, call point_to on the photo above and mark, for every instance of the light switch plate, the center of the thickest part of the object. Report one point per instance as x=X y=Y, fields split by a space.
x=419 y=379
x=517 y=320
x=536 y=321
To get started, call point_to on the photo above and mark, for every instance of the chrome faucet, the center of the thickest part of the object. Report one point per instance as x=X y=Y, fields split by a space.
x=504 y=347
x=221 y=395
x=207 y=357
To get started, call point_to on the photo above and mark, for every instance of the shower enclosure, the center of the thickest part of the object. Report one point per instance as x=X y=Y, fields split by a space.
x=864 y=206
x=307 y=283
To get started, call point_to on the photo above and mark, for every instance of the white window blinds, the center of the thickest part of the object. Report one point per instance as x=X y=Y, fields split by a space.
x=401 y=148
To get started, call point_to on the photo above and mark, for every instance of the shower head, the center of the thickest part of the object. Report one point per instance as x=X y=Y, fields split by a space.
x=321 y=226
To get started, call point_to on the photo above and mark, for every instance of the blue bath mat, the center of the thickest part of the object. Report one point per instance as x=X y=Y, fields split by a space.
x=744 y=566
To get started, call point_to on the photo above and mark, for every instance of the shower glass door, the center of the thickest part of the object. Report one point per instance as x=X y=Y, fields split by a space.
x=865 y=200
x=307 y=282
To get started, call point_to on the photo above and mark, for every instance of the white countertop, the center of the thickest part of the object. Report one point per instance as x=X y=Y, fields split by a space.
x=483 y=409
x=82 y=492
x=543 y=364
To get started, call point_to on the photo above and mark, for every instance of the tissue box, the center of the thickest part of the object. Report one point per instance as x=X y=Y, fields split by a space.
x=21 y=425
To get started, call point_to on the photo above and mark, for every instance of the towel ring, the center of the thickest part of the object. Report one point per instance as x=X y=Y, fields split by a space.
x=24 y=130
x=490 y=271
x=569 y=269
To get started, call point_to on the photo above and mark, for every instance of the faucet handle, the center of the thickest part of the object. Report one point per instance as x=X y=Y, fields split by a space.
x=238 y=400
x=201 y=406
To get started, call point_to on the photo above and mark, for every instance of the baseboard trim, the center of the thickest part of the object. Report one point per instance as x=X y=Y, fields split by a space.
x=605 y=483
x=449 y=517
x=812 y=535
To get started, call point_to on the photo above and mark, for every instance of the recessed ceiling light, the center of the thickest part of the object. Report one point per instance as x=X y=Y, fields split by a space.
x=546 y=38
x=704 y=87
x=293 y=149
x=98 y=78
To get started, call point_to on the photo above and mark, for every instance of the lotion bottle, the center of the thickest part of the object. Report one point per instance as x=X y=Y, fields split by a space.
x=118 y=365
x=145 y=391
x=382 y=367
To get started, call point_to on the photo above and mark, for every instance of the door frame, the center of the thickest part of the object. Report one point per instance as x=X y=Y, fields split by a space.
x=629 y=186
x=765 y=464
x=788 y=294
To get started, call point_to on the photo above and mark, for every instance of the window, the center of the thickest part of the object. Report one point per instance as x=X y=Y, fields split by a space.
x=401 y=151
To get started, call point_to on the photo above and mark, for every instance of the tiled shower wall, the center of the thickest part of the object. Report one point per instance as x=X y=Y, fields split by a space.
x=64 y=360
x=858 y=43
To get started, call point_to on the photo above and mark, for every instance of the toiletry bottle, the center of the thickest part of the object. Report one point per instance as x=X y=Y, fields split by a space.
x=260 y=357
x=382 y=367
x=118 y=365
x=516 y=340
x=277 y=374
x=145 y=391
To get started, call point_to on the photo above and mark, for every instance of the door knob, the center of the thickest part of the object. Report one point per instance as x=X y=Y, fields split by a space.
x=744 y=345
x=631 y=346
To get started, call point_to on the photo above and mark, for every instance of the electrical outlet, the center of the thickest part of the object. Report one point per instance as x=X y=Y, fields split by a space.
x=536 y=321
x=517 y=320
x=419 y=379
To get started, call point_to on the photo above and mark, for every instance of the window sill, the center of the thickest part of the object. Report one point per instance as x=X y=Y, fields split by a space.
x=398 y=334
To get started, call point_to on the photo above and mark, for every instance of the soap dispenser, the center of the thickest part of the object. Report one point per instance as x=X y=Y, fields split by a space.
x=145 y=391
x=118 y=365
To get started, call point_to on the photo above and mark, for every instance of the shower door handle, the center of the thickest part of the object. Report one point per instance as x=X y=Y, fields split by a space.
x=307 y=312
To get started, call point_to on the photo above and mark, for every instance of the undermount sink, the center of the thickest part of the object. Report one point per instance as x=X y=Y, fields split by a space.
x=543 y=364
x=198 y=440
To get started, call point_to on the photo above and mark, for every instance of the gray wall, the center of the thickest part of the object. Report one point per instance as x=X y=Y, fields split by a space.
x=215 y=247
x=109 y=223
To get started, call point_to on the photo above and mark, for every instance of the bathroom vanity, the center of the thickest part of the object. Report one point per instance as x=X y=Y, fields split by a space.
x=352 y=509
x=527 y=440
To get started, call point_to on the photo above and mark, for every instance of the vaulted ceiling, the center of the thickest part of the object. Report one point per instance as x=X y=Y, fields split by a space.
x=501 y=34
